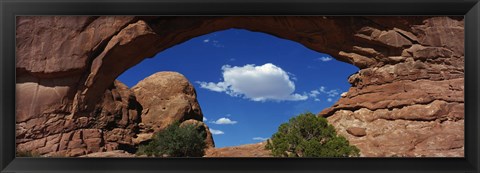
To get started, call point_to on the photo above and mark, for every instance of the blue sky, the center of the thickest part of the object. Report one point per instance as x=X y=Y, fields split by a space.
x=248 y=83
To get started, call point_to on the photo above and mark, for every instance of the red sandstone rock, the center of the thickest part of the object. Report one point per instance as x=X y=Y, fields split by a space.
x=54 y=46
x=408 y=94
x=115 y=153
x=166 y=97
x=248 y=150
x=357 y=131
x=442 y=32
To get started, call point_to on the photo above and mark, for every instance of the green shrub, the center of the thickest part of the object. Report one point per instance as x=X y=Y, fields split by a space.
x=176 y=141
x=308 y=135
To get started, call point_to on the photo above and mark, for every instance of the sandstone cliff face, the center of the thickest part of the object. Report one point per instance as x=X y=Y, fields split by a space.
x=111 y=126
x=122 y=120
x=408 y=95
x=413 y=105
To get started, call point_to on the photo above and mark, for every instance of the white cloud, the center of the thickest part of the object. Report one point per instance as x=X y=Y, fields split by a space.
x=257 y=83
x=314 y=93
x=332 y=93
x=259 y=138
x=292 y=76
x=329 y=100
x=224 y=120
x=216 y=132
x=214 y=43
x=322 y=90
x=204 y=119
x=317 y=100
x=232 y=59
x=324 y=59
x=217 y=87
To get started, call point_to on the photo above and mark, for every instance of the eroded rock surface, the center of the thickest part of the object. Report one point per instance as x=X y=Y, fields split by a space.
x=168 y=97
x=111 y=126
x=408 y=94
x=115 y=153
x=414 y=104
x=247 y=150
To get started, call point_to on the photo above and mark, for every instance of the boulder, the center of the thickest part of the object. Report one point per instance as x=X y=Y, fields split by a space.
x=166 y=97
x=357 y=131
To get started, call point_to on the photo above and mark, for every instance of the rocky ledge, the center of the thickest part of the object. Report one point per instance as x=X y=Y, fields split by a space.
x=247 y=150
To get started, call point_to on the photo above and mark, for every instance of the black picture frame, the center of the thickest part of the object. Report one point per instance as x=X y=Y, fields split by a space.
x=9 y=9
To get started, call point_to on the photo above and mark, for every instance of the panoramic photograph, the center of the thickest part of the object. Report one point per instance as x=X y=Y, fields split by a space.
x=240 y=86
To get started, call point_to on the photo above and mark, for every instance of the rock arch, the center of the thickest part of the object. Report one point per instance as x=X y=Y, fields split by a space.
x=411 y=73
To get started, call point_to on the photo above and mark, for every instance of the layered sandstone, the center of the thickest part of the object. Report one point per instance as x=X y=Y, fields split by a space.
x=111 y=126
x=413 y=105
x=408 y=94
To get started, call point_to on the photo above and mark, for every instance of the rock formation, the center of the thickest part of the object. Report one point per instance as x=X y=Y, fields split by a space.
x=114 y=153
x=412 y=105
x=111 y=126
x=167 y=97
x=408 y=94
x=247 y=150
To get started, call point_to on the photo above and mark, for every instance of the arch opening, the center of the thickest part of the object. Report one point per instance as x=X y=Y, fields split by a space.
x=247 y=83
x=146 y=37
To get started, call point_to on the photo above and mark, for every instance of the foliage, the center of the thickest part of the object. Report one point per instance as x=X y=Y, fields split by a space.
x=308 y=135
x=176 y=141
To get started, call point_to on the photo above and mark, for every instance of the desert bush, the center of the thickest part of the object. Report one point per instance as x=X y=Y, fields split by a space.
x=175 y=141
x=308 y=135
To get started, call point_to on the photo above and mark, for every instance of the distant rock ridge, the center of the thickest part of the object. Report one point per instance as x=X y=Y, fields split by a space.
x=407 y=95
x=247 y=150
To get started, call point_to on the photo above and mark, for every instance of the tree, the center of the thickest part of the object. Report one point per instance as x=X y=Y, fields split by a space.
x=308 y=135
x=176 y=141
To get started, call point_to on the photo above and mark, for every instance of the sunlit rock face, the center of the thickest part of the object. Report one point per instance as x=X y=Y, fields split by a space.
x=413 y=104
x=407 y=97
x=168 y=97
